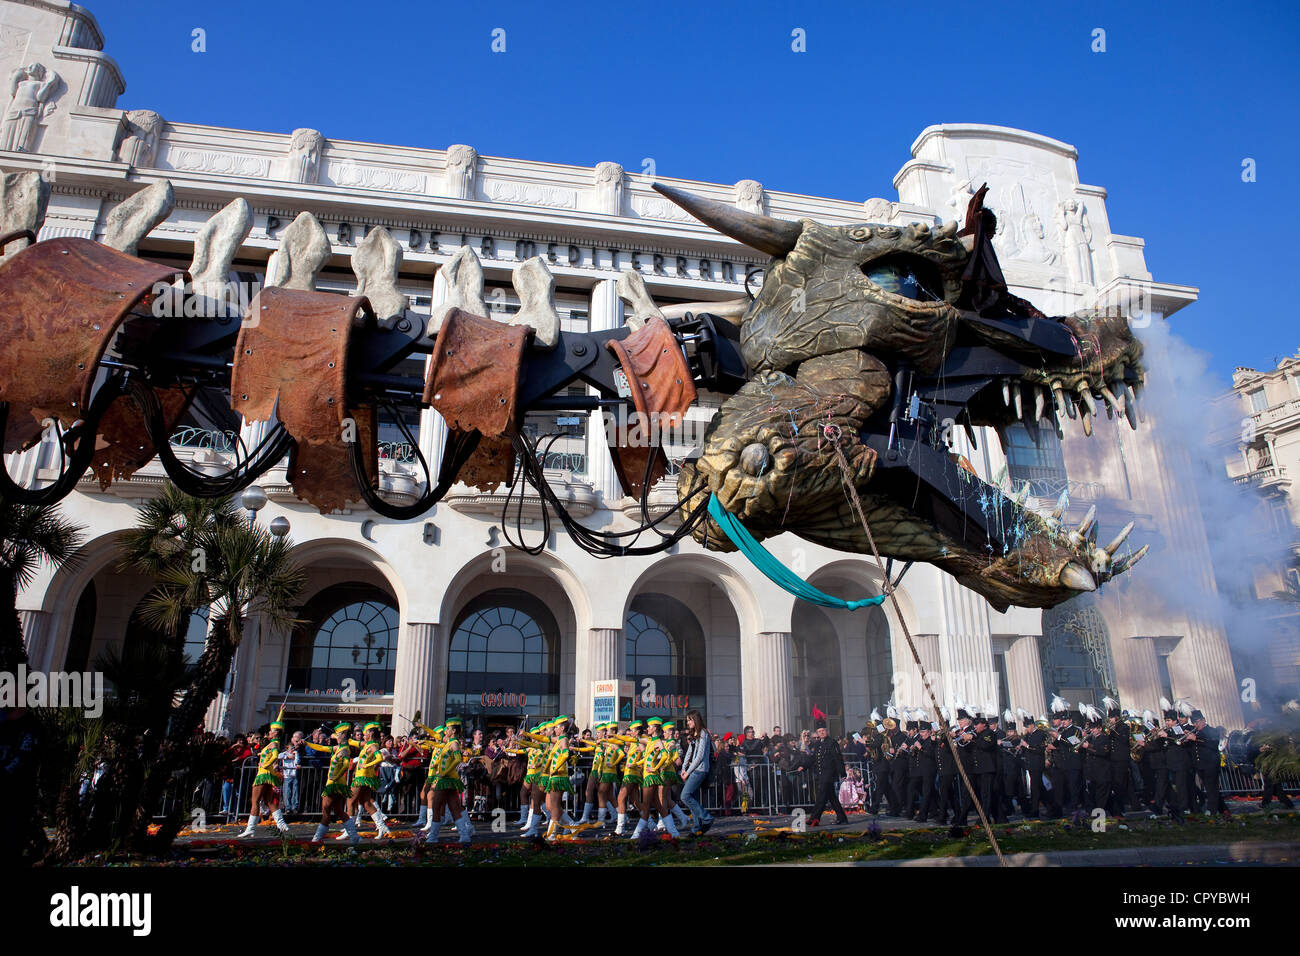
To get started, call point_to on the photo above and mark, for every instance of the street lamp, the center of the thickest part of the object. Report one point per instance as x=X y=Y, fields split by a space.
x=253 y=500
x=280 y=526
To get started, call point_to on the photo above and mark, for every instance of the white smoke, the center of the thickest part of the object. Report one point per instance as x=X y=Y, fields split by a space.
x=1181 y=399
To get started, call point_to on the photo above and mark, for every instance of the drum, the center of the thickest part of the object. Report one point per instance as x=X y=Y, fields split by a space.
x=1237 y=749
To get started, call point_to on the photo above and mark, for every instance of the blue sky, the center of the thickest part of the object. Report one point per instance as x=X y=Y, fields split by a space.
x=712 y=91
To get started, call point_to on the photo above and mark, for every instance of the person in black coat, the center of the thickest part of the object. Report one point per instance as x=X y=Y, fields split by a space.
x=1011 y=771
x=1206 y=760
x=898 y=773
x=985 y=762
x=1096 y=765
x=1067 y=763
x=1178 y=758
x=1033 y=751
x=827 y=770
x=1156 y=767
x=920 y=773
x=997 y=811
x=965 y=738
x=946 y=763
x=1121 y=759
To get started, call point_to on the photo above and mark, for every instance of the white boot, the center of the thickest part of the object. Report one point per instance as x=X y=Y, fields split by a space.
x=321 y=830
x=681 y=818
x=280 y=822
x=252 y=825
x=672 y=827
x=550 y=831
x=354 y=821
x=523 y=815
x=446 y=816
x=420 y=820
x=534 y=821
x=640 y=826
x=350 y=828
x=622 y=822
x=659 y=827
x=432 y=830
x=381 y=831
x=464 y=827
x=528 y=824
x=586 y=814
x=567 y=820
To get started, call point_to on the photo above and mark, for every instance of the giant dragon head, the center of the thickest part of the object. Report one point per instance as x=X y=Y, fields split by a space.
x=881 y=340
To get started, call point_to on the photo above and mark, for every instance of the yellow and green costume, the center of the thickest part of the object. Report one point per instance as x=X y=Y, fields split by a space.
x=368 y=767
x=442 y=769
x=336 y=777
x=266 y=764
x=613 y=759
x=557 y=768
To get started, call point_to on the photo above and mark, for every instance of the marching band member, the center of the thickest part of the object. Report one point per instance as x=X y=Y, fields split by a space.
x=531 y=793
x=334 y=796
x=592 y=787
x=267 y=782
x=652 y=783
x=365 y=783
x=445 y=787
x=633 y=770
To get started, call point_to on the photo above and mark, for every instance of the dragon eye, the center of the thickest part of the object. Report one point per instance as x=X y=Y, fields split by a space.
x=860 y=233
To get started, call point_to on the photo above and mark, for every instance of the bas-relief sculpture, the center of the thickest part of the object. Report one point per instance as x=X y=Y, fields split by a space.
x=30 y=90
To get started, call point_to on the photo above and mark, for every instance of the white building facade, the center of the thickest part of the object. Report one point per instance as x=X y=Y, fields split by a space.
x=437 y=614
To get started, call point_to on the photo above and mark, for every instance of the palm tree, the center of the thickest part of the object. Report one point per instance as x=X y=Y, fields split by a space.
x=201 y=553
x=29 y=536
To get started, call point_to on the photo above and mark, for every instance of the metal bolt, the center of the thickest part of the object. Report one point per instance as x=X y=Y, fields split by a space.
x=243 y=398
x=331 y=364
x=63 y=252
x=645 y=384
x=438 y=397
x=330 y=400
x=503 y=401
x=248 y=351
x=580 y=349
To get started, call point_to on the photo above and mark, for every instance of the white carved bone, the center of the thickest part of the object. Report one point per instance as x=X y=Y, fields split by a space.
x=304 y=250
x=376 y=263
x=631 y=289
x=535 y=287
x=464 y=278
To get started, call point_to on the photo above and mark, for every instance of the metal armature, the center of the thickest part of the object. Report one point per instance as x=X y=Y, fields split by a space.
x=103 y=353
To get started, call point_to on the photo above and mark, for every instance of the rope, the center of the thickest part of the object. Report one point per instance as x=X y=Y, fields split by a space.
x=832 y=433
x=774 y=570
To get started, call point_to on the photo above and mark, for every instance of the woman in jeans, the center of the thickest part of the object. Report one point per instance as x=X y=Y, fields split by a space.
x=695 y=768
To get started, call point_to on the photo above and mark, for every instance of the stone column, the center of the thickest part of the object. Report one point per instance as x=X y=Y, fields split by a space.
x=965 y=645
x=36 y=635
x=765 y=680
x=1025 y=675
x=420 y=676
x=606 y=313
x=433 y=429
x=599 y=657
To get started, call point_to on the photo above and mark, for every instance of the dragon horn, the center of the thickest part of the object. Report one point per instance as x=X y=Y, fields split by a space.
x=776 y=237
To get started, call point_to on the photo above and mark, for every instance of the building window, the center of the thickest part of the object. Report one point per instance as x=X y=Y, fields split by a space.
x=665 y=645
x=1004 y=685
x=1042 y=465
x=503 y=662
x=1258 y=400
x=1166 y=681
x=351 y=634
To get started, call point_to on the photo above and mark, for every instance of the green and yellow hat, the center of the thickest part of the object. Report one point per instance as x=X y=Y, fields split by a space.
x=453 y=722
x=277 y=725
x=342 y=727
x=440 y=729
x=372 y=725
x=653 y=721
x=669 y=725
x=635 y=725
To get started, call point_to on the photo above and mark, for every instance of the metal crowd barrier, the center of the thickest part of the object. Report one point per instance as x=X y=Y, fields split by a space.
x=770 y=790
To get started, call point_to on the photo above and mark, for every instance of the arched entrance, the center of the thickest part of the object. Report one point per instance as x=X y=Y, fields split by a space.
x=665 y=657
x=815 y=670
x=503 y=661
x=347 y=645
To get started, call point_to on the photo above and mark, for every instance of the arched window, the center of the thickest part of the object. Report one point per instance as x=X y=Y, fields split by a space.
x=815 y=671
x=504 y=657
x=880 y=656
x=665 y=644
x=350 y=634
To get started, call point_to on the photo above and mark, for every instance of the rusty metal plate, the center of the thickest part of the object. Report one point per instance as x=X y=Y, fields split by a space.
x=291 y=360
x=473 y=382
x=662 y=391
x=123 y=445
x=63 y=300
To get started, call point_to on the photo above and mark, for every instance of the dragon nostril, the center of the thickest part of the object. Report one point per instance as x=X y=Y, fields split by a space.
x=754 y=460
